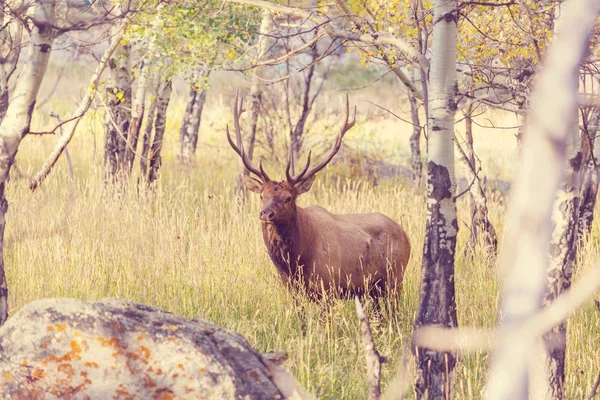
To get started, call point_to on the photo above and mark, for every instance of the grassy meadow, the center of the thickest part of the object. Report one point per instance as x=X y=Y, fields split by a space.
x=191 y=249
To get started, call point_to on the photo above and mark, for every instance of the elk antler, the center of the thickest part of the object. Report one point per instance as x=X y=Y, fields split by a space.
x=306 y=173
x=237 y=111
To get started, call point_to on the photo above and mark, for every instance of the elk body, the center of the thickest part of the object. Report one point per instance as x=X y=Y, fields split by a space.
x=337 y=255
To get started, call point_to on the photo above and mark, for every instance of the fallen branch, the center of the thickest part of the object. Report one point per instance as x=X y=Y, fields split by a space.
x=372 y=356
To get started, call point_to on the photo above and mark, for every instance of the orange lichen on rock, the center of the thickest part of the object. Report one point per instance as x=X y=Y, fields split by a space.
x=122 y=351
x=145 y=351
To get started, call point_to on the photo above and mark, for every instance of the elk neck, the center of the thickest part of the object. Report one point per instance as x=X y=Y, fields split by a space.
x=283 y=243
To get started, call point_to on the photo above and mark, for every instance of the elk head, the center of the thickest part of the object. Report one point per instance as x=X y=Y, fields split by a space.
x=279 y=198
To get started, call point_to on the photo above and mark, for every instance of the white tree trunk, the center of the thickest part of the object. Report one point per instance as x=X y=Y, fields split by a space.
x=17 y=120
x=117 y=114
x=524 y=257
x=437 y=304
x=563 y=250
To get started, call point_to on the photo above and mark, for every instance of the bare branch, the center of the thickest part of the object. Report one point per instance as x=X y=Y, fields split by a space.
x=378 y=38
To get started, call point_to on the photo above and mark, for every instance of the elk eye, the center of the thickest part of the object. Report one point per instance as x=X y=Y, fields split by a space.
x=288 y=199
x=261 y=196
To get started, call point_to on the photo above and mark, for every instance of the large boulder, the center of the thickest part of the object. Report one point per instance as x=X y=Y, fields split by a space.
x=66 y=348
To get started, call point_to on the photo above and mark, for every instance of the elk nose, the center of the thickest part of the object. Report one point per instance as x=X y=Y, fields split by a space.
x=267 y=215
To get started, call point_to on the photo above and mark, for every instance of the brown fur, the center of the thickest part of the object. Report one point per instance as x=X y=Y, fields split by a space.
x=340 y=255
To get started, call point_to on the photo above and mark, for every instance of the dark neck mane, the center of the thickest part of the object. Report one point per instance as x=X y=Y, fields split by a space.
x=281 y=242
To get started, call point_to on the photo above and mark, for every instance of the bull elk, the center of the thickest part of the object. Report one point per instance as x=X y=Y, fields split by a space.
x=336 y=254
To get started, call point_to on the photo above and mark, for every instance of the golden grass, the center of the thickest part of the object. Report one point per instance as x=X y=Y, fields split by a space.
x=191 y=250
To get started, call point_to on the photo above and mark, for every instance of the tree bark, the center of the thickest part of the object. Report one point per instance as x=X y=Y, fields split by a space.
x=563 y=250
x=481 y=226
x=144 y=156
x=11 y=35
x=524 y=257
x=117 y=115
x=437 y=303
x=163 y=97
x=255 y=98
x=190 y=126
x=415 y=141
x=589 y=186
x=17 y=120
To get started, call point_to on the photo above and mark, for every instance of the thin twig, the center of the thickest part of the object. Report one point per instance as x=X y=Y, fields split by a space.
x=594 y=390
x=67 y=155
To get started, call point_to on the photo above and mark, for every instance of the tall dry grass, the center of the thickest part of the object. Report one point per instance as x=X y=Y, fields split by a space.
x=191 y=249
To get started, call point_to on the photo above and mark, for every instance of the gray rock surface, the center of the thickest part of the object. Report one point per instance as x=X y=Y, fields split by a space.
x=66 y=348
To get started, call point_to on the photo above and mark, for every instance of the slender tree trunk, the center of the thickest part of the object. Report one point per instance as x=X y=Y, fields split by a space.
x=111 y=136
x=139 y=100
x=563 y=250
x=415 y=141
x=589 y=186
x=144 y=157
x=163 y=97
x=481 y=226
x=437 y=303
x=117 y=115
x=255 y=98
x=137 y=116
x=190 y=126
x=17 y=120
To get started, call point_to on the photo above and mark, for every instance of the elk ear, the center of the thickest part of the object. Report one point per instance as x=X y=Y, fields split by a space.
x=305 y=186
x=251 y=184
